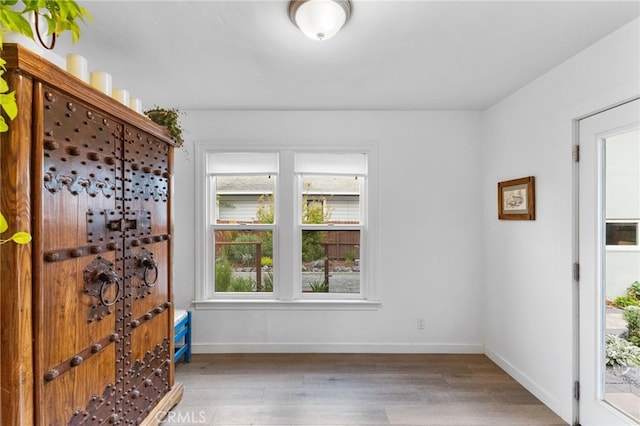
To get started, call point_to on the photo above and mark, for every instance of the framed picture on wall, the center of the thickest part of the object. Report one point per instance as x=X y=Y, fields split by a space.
x=516 y=199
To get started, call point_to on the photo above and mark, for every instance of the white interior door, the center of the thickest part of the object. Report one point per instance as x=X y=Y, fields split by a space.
x=597 y=406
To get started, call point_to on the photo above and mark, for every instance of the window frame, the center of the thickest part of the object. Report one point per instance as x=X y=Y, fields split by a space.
x=287 y=293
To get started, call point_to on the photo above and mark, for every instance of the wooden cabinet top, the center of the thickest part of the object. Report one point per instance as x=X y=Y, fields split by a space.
x=24 y=61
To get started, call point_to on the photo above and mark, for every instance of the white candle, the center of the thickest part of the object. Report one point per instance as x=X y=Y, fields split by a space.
x=101 y=81
x=121 y=95
x=136 y=105
x=77 y=66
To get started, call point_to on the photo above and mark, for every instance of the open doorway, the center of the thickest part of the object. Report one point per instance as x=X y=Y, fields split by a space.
x=609 y=261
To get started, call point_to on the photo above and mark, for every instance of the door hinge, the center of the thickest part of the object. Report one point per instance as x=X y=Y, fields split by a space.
x=576 y=391
x=576 y=271
x=576 y=153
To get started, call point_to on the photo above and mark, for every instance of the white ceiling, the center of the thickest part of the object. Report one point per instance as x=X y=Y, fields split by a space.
x=391 y=55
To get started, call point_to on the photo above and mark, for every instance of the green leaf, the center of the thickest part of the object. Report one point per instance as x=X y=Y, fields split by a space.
x=32 y=5
x=8 y=103
x=3 y=224
x=21 y=237
x=4 y=86
x=52 y=27
x=3 y=125
x=14 y=21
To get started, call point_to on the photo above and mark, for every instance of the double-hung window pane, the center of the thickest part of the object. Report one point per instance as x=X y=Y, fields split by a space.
x=330 y=221
x=244 y=220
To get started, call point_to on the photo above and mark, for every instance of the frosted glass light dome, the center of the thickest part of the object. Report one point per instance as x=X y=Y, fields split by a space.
x=319 y=19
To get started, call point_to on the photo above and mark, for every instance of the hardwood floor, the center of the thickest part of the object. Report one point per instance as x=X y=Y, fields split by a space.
x=352 y=389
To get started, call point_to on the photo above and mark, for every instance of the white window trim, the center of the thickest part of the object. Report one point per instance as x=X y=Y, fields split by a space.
x=286 y=295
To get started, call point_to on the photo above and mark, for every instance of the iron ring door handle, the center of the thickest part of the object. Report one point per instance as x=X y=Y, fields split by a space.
x=108 y=278
x=149 y=265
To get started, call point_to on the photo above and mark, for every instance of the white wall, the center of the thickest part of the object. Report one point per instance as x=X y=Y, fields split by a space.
x=622 y=269
x=473 y=278
x=429 y=240
x=623 y=176
x=528 y=291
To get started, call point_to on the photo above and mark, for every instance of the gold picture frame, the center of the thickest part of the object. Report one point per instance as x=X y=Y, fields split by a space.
x=516 y=199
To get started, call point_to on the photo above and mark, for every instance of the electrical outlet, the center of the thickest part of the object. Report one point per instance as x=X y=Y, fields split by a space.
x=420 y=323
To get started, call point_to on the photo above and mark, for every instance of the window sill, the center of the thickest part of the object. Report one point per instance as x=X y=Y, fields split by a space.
x=623 y=248
x=305 y=305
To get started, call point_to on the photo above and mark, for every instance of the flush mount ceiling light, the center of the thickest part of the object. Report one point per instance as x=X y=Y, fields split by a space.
x=319 y=19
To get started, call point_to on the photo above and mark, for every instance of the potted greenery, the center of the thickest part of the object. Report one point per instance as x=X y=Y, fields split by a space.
x=169 y=118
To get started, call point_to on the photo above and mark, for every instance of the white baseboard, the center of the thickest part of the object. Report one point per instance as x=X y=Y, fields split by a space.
x=538 y=391
x=444 y=348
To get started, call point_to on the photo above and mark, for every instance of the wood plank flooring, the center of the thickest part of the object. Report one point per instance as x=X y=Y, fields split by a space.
x=352 y=389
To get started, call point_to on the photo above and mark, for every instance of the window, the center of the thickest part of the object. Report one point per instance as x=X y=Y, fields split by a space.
x=622 y=233
x=330 y=221
x=242 y=194
x=287 y=226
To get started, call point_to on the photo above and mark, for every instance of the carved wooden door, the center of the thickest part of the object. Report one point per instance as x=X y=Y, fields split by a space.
x=101 y=287
x=147 y=272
